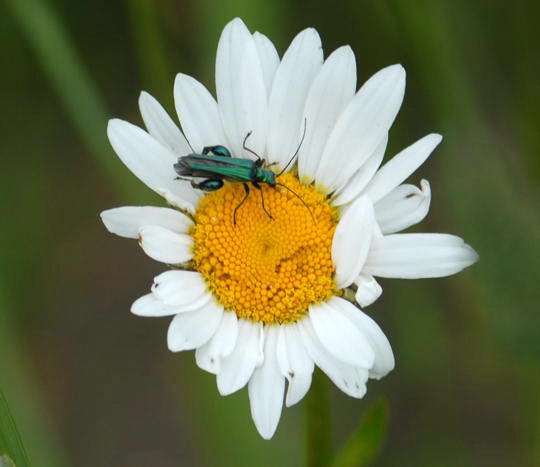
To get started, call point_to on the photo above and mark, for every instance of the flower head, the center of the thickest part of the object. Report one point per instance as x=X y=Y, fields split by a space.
x=263 y=267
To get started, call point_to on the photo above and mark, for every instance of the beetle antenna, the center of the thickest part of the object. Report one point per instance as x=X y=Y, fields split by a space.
x=190 y=146
x=250 y=150
x=297 y=149
x=300 y=198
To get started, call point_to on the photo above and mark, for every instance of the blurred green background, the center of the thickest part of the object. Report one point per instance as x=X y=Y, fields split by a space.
x=91 y=385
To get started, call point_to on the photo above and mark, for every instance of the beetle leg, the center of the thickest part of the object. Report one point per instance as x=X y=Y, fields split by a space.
x=203 y=185
x=195 y=184
x=246 y=188
x=256 y=185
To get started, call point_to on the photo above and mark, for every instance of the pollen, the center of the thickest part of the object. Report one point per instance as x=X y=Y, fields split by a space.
x=266 y=269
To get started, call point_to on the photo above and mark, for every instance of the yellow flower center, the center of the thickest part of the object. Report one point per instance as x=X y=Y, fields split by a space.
x=266 y=270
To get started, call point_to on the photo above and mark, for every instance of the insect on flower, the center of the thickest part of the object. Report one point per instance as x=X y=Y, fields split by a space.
x=216 y=164
x=263 y=303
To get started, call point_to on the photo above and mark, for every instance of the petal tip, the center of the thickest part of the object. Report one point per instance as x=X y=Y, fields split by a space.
x=474 y=257
x=113 y=124
x=436 y=137
x=143 y=95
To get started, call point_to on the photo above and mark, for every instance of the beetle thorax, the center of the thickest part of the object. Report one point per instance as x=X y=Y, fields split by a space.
x=265 y=176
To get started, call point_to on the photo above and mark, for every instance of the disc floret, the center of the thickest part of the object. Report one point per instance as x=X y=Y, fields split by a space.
x=266 y=269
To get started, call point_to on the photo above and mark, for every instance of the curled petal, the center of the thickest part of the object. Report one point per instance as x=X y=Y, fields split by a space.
x=403 y=207
x=368 y=290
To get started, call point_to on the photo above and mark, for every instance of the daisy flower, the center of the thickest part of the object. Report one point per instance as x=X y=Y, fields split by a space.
x=265 y=299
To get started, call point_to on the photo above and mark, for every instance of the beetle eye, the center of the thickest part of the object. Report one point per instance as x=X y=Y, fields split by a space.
x=221 y=151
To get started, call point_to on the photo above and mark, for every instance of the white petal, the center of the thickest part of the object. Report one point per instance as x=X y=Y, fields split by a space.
x=128 y=220
x=149 y=305
x=269 y=58
x=368 y=290
x=150 y=161
x=222 y=343
x=292 y=81
x=384 y=357
x=331 y=91
x=237 y=368
x=351 y=380
x=397 y=169
x=179 y=288
x=164 y=245
x=294 y=363
x=198 y=113
x=361 y=127
x=352 y=238
x=416 y=256
x=403 y=207
x=339 y=336
x=178 y=202
x=241 y=90
x=266 y=388
x=161 y=126
x=190 y=330
x=356 y=184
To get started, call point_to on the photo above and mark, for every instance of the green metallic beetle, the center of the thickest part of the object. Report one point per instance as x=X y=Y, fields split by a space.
x=216 y=165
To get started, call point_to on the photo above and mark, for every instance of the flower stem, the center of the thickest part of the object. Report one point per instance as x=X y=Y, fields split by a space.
x=318 y=423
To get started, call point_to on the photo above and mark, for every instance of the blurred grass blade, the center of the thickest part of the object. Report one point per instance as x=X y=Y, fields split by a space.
x=45 y=33
x=11 y=446
x=367 y=440
x=151 y=51
x=41 y=440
